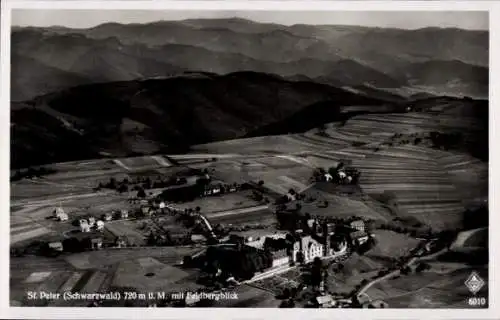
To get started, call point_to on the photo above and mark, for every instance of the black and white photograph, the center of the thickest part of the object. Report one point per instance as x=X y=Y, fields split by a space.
x=249 y=159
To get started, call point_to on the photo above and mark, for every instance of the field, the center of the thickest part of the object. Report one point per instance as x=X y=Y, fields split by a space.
x=341 y=206
x=30 y=219
x=106 y=258
x=471 y=240
x=225 y=202
x=391 y=244
x=149 y=275
x=428 y=185
x=249 y=297
x=428 y=289
x=277 y=283
x=248 y=216
x=128 y=229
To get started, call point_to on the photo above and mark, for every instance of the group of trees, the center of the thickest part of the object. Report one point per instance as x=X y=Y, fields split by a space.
x=318 y=272
x=435 y=139
x=242 y=264
x=30 y=173
x=258 y=196
x=422 y=266
x=41 y=248
x=446 y=141
x=289 y=220
x=144 y=183
x=476 y=217
x=164 y=238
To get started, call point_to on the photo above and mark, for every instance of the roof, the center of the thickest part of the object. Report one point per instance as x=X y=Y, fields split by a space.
x=358 y=222
x=324 y=299
x=256 y=233
x=358 y=234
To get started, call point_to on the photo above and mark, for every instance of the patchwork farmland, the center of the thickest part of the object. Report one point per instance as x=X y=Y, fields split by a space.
x=405 y=181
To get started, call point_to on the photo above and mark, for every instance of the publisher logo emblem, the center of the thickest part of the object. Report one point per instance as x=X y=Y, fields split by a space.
x=474 y=283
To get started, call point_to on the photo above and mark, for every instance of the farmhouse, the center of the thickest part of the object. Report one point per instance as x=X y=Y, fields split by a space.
x=107 y=216
x=324 y=301
x=56 y=246
x=212 y=190
x=124 y=214
x=290 y=197
x=91 y=221
x=96 y=243
x=84 y=225
x=341 y=174
x=60 y=215
x=120 y=242
x=181 y=193
x=358 y=225
x=358 y=237
x=279 y=258
x=100 y=225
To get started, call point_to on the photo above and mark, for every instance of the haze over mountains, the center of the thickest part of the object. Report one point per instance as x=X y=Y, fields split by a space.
x=122 y=90
x=454 y=60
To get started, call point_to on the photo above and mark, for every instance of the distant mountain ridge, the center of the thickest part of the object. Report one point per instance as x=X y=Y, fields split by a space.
x=339 y=55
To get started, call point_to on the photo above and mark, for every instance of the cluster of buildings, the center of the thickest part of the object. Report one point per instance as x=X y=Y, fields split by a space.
x=91 y=223
x=297 y=247
x=323 y=240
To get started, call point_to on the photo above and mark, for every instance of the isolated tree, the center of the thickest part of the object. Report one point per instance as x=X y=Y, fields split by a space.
x=258 y=196
x=321 y=129
x=112 y=183
x=316 y=272
x=141 y=193
x=72 y=245
x=300 y=257
x=286 y=293
x=152 y=239
x=122 y=188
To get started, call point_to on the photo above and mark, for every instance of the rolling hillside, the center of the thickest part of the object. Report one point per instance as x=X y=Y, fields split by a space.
x=159 y=115
x=30 y=78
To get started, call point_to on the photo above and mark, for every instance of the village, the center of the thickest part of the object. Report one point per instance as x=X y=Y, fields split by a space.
x=231 y=253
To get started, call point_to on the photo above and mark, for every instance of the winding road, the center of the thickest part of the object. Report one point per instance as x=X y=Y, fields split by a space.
x=396 y=272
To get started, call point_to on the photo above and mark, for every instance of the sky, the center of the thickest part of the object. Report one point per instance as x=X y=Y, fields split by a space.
x=472 y=20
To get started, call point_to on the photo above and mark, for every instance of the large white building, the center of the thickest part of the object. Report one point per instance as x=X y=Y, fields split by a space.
x=309 y=247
